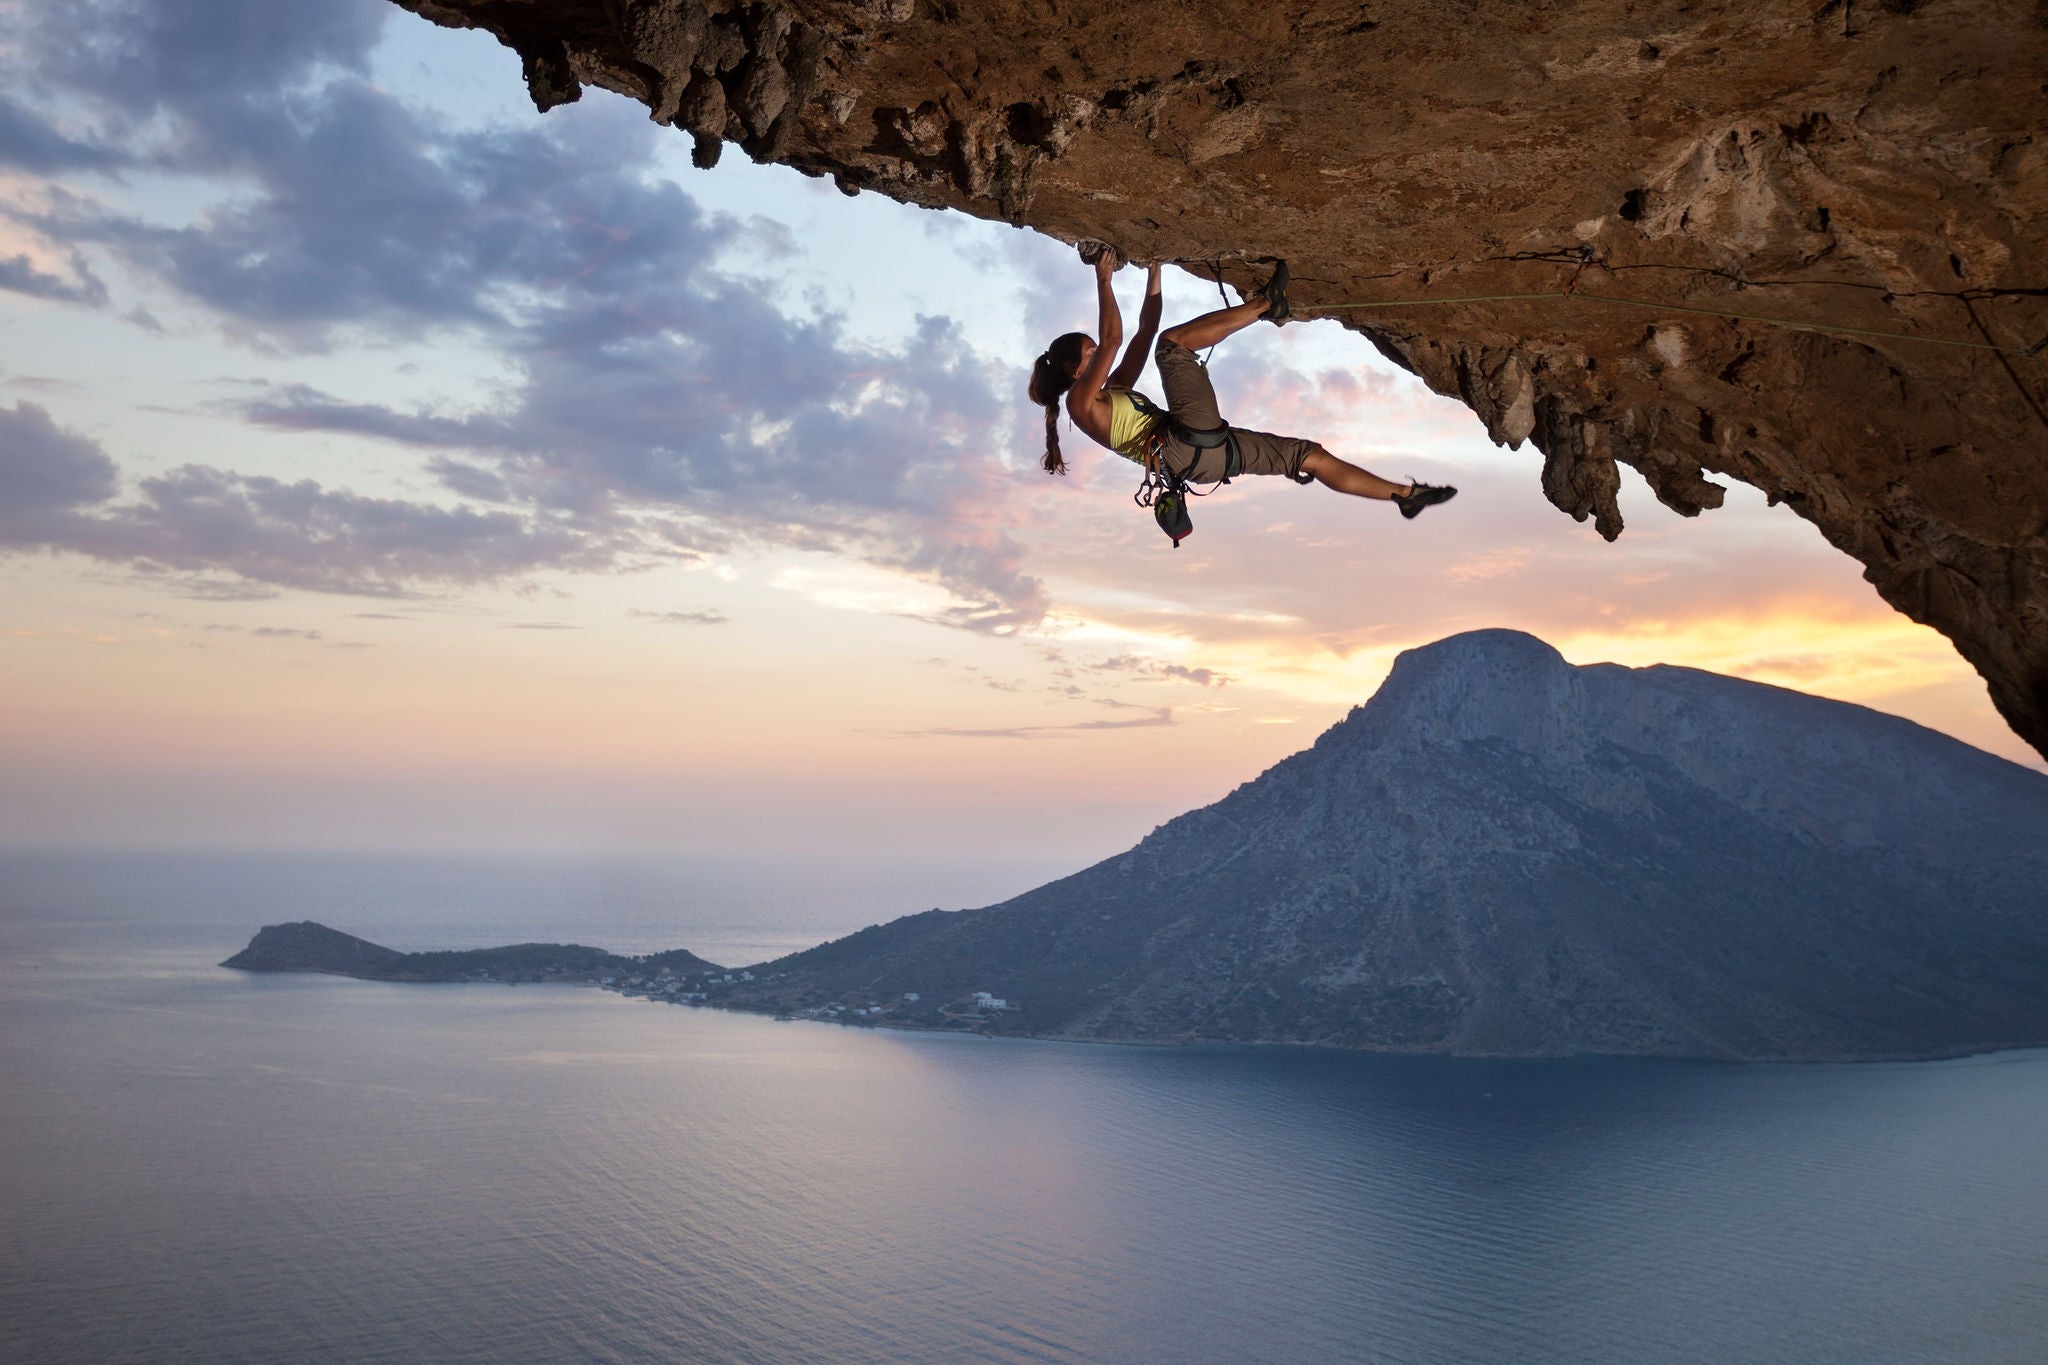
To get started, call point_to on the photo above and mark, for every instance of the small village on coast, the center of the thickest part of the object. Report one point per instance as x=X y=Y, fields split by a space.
x=766 y=994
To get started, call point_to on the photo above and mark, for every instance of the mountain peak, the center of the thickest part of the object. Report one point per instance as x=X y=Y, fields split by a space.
x=1487 y=645
x=1492 y=684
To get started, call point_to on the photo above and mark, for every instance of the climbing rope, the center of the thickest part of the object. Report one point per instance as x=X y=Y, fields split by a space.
x=1585 y=258
x=1576 y=293
x=1221 y=294
x=2010 y=373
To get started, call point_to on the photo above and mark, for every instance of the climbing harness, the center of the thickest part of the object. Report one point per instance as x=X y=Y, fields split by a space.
x=1165 y=491
x=1200 y=438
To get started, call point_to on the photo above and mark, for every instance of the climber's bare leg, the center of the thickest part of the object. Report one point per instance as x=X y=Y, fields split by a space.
x=1331 y=472
x=1210 y=328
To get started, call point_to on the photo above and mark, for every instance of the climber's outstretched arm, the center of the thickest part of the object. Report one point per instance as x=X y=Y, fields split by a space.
x=1125 y=376
x=1109 y=337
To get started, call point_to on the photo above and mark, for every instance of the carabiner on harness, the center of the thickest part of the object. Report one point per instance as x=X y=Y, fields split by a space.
x=1164 y=491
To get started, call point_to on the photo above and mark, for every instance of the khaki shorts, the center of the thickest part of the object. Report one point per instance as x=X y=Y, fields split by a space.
x=1192 y=401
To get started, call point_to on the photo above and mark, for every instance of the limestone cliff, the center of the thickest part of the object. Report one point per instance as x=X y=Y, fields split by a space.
x=1877 y=167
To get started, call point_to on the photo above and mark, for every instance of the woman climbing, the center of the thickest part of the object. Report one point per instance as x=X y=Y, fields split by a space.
x=1188 y=440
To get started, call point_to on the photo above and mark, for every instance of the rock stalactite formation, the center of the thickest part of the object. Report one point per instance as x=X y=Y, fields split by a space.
x=1873 y=169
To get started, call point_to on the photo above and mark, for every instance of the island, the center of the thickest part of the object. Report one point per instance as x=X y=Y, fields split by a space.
x=676 y=976
x=309 y=947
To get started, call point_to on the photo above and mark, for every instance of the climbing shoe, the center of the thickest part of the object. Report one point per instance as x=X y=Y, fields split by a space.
x=1421 y=495
x=1275 y=295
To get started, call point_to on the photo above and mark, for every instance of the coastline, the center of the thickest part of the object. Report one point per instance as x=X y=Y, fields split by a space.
x=883 y=1021
x=754 y=991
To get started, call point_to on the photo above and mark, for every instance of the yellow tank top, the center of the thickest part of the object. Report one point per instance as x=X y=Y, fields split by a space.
x=1128 y=427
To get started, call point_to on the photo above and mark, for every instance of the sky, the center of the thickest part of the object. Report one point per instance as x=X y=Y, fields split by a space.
x=386 y=466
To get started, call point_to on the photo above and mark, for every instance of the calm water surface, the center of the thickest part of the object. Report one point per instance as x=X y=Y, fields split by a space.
x=201 y=1165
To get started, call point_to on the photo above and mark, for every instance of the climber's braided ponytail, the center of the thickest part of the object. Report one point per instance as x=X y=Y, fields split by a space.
x=1051 y=376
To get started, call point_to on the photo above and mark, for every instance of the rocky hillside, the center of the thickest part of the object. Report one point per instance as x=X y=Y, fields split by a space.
x=1870 y=165
x=1505 y=854
x=310 y=947
x=306 y=946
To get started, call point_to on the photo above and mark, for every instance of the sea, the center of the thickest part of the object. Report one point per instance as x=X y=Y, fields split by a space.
x=198 y=1164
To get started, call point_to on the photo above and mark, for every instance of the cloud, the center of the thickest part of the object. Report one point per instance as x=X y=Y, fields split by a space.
x=683 y=618
x=203 y=86
x=30 y=143
x=46 y=476
x=1160 y=716
x=46 y=384
x=57 y=492
x=1158 y=669
x=1506 y=562
x=255 y=632
x=301 y=407
x=206 y=587
x=363 y=216
x=651 y=394
x=20 y=275
x=213 y=63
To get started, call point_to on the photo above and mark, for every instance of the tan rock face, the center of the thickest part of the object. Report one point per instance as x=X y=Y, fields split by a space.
x=1880 y=169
